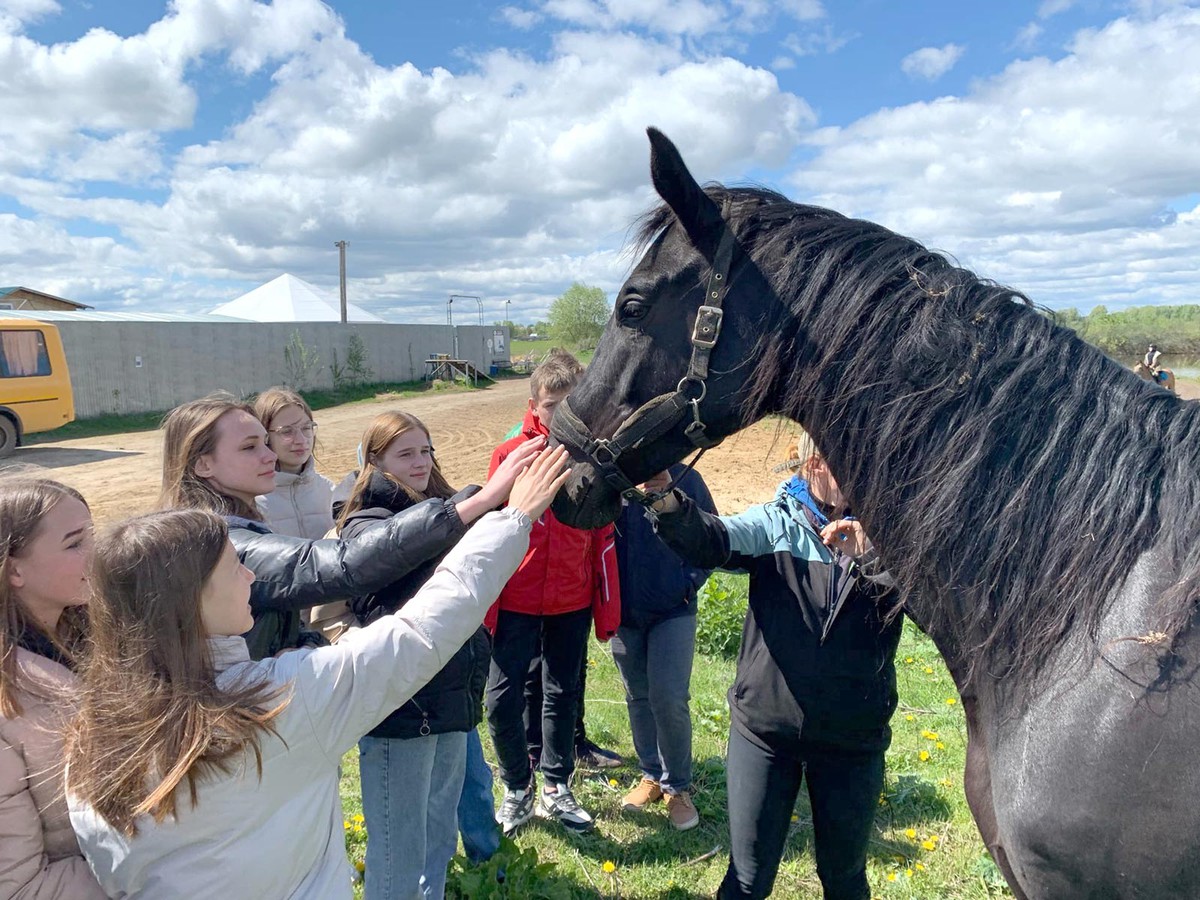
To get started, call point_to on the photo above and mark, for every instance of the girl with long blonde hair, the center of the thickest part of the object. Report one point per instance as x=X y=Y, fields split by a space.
x=194 y=771
x=216 y=458
x=45 y=549
x=415 y=762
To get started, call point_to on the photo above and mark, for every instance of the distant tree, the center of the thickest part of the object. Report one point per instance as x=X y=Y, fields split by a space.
x=578 y=317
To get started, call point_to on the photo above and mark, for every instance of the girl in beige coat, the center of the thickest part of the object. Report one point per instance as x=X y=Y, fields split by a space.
x=45 y=546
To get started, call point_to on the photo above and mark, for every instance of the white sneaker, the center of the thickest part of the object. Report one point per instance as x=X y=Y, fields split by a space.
x=557 y=802
x=516 y=809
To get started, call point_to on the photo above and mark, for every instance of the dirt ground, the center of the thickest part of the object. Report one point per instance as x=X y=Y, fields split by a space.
x=120 y=474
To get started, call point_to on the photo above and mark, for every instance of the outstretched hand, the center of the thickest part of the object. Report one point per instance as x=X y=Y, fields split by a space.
x=537 y=484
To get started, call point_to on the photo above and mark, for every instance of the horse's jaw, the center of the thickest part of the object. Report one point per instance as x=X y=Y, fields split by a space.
x=586 y=500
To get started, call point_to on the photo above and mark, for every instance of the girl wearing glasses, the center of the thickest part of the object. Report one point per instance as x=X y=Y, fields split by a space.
x=215 y=457
x=302 y=503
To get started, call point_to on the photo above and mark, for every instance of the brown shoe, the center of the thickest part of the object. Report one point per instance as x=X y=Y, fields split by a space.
x=646 y=792
x=681 y=811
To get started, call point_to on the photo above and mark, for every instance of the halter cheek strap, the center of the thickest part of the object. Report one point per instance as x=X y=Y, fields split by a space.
x=658 y=416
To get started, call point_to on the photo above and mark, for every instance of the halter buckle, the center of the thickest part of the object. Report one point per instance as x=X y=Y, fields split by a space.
x=602 y=444
x=708 y=327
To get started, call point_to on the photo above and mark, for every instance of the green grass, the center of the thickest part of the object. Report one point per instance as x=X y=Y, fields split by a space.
x=317 y=399
x=923 y=795
x=539 y=348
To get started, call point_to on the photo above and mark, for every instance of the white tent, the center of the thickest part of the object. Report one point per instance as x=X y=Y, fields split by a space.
x=288 y=299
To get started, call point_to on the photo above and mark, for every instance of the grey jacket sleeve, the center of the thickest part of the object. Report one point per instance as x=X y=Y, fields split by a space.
x=292 y=573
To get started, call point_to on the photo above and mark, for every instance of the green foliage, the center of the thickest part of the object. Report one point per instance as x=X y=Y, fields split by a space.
x=300 y=360
x=357 y=366
x=720 y=612
x=578 y=317
x=1126 y=334
x=511 y=873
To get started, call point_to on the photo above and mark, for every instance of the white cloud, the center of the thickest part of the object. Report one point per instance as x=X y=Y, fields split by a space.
x=931 y=63
x=15 y=12
x=1027 y=37
x=1053 y=175
x=1049 y=8
x=523 y=19
x=816 y=40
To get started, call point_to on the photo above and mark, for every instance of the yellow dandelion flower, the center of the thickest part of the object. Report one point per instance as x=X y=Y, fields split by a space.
x=929 y=670
x=908 y=659
x=908 y=873
x=360 y=865
x=950 y=701
x=609 y=867
x=910 y=833
x=795 y=818
x=910 y=718
x=929 y=844
x=346 y=824
x=923 y=756
x=613 y=782
x=929 y=735
x=358 y=817
x=891 y=876
x=939 y=745
x=920 y=867
x=946 y=782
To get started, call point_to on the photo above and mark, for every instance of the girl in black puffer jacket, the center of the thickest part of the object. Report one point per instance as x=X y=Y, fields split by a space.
x=413 y=764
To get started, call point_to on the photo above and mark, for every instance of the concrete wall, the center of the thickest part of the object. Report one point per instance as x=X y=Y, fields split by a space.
x=180 y=361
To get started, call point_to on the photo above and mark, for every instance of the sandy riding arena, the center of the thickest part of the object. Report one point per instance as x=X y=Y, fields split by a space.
x=119 y=474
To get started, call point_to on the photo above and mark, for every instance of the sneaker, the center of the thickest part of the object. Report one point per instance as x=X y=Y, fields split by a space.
x=592 y=756
x=648 y=791
x=558 y=802
x=681 y=811
x=516 y=809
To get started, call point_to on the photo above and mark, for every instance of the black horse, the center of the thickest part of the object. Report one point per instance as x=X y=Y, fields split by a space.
x=1001 y=466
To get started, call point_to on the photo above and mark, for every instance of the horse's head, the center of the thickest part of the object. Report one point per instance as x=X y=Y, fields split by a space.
x=670 y=373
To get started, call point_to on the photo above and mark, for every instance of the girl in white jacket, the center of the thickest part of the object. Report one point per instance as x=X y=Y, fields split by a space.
x=302 y=503
x=193 y=771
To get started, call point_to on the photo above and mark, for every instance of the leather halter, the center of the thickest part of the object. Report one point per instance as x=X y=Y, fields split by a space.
x=659 y=415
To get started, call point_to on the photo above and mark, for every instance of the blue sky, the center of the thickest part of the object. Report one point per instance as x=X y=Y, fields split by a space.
x=172 y=156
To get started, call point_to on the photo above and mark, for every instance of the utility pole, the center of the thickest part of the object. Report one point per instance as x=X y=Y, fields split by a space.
x=341 y=245
x=506 y=321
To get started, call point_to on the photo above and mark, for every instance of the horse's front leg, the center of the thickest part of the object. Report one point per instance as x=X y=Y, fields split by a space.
x=977 y=785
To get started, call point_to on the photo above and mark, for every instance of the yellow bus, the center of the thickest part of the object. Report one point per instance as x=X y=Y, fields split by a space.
x=35 y=386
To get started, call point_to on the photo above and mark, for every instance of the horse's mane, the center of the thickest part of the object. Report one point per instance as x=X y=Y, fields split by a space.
x=1012 y=473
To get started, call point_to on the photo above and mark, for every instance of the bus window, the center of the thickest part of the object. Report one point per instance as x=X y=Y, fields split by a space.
x=23 y=354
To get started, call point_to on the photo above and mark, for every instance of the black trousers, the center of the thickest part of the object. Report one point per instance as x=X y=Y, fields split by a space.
x=561 y=641
x=843 y=788
x=533 y=706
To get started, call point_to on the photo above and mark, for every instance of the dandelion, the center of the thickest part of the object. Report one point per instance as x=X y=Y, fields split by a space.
x=950 y=701
x=910 y=718
x=946 y=782
x=358 y=817
x=360 y=866
x=929 y=670
x=891 y=876
x=929 y=735
x=939 y=745
x=920 y=867
x=908 y=873
x=923 y=756
x=346 y=824
x=609 y=867
x=795 y=818
x=613 y=782
x=929 y=844
x=910 y=833
x=909 y=660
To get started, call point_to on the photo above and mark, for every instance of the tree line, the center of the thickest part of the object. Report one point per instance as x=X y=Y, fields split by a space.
x=1125 y=334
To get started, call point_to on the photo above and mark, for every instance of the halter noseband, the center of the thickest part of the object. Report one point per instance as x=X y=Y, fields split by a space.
x=659 y=415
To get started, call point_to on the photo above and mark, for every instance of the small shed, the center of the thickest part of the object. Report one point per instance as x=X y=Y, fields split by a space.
x=23 y=298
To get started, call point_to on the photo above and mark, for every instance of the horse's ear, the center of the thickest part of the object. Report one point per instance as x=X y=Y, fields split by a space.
x=693 y=208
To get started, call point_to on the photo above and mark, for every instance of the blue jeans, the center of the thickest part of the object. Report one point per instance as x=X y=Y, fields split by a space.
x=476 y=807
x=656 y=666
x=410 y=792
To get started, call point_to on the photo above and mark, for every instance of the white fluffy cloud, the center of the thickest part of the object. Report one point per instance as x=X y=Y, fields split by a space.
x=931 y=63
x=1056 y=176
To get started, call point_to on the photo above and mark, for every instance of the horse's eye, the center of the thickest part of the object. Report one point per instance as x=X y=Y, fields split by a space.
x=632 y=309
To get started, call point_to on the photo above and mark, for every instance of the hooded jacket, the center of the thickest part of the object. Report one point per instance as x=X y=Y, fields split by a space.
x=301 y=504
x=816 y=663
x=291 y=574
x=656 y=583
x=453 y=699
x=39 y=856
x=281 y=834
x=566 y=569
